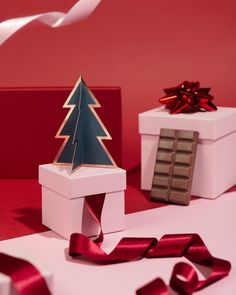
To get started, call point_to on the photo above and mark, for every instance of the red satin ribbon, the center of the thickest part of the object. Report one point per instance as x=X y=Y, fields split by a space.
x=189 y=246
x=26 y=279
x=156 y=287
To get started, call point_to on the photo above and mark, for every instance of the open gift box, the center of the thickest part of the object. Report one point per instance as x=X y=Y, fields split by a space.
x=215 y=164
x=63 y=199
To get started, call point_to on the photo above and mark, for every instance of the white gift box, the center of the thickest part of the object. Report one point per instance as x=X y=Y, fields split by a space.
x=6 y=286
x=215 y=166
x=63 y=194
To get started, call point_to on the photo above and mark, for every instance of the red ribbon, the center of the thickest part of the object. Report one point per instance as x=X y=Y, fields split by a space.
x=26 y=279
x=188 y=97
x=189 y=246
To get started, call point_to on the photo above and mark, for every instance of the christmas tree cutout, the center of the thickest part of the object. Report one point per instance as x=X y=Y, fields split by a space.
x=83 y=132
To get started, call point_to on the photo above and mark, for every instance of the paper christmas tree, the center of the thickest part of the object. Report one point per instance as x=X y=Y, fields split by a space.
x=83 y=132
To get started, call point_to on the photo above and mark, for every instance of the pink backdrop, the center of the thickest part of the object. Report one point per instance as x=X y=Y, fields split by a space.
x=142 y=46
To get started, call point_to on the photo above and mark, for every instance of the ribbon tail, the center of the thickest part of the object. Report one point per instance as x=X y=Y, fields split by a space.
x=11 y=26
x=95 y=204
x=156 y=287
x=80 y=11
x=25 y=277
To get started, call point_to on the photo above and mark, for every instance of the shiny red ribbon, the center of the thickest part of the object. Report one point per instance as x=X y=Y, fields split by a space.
x=26 y=279
x=189 y=246
x=188 y=97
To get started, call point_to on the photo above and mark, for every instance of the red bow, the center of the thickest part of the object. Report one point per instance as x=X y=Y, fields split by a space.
x=188 y=97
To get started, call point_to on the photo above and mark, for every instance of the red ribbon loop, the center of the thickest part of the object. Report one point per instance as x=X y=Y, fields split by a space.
x=25 y=277
x=184 y=278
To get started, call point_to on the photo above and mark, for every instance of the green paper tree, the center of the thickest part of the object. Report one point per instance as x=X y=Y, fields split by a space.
x=83 y=132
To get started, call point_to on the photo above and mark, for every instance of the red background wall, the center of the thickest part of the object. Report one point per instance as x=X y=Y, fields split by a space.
x=35 y=115
x=142 y=46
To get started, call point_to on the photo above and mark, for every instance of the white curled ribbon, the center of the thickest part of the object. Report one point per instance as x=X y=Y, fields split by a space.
x=81 y=10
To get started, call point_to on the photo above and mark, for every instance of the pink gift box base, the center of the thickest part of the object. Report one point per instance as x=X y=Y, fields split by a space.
x=214 y=171
x=63 y=207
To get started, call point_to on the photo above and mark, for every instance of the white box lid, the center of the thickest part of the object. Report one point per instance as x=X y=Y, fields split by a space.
x=210 y=125
x=85 y=181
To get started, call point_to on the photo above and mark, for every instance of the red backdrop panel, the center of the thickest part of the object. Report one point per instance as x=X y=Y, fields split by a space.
x=30 y=118
x=142 y=46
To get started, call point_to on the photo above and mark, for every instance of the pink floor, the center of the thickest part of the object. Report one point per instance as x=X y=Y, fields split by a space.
x=21 y=204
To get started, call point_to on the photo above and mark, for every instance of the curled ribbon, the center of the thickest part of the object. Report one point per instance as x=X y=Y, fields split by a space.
x=189 y=246
x=81 y=10
x=188 y=97
x=26 y=279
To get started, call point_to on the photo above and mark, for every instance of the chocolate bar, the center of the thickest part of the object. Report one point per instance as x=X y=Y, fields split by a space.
x=173 y=172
